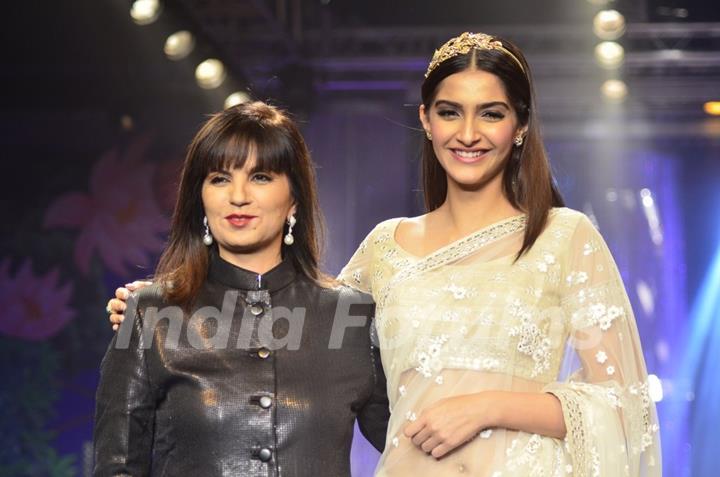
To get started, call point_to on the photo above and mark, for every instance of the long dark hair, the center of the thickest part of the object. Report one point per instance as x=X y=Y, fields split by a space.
x=527 y=180
x=225 y=141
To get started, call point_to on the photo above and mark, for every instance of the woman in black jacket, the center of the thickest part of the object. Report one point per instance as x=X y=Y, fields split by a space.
x=241 y=359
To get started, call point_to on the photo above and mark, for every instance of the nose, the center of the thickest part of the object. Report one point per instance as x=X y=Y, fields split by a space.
x=469 y=133
x=239 y=192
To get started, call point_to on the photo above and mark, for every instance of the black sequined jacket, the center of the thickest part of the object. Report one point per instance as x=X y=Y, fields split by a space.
x=232 y=389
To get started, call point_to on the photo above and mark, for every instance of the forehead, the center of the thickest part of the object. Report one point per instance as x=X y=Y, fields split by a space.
x=471 y=86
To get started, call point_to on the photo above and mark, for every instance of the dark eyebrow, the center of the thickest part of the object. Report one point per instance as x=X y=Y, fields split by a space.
x=491 y=104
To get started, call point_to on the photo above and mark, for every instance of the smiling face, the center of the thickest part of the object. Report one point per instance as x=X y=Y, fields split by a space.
x=472 y=126
x=247 y=209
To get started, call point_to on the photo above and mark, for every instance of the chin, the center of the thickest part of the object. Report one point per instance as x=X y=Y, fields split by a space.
x=249 y=246
x=474 y=179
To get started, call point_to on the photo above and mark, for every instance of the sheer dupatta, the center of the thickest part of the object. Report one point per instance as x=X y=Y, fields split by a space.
x=469 y=318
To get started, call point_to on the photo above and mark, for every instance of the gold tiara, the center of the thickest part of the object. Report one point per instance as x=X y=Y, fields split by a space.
x=461 y=45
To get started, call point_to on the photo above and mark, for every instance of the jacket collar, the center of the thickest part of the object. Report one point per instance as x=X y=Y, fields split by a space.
x=235 y=277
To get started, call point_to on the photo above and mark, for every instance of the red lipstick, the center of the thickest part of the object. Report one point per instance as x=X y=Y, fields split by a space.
x=240 y=220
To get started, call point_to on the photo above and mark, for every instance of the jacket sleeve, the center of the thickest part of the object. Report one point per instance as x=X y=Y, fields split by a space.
x=374 y=415
x=612 y=426
x=125 y=405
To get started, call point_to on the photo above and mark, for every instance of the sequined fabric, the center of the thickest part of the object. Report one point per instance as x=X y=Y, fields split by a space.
x=196 y=409
x=469 y=318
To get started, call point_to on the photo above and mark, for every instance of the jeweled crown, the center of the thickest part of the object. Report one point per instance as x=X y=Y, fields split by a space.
x=462 y=44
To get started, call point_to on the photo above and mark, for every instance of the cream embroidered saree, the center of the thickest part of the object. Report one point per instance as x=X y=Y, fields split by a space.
x=467 y=318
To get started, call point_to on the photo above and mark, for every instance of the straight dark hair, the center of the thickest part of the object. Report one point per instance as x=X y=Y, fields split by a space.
x=225 y=142
x=527 y=179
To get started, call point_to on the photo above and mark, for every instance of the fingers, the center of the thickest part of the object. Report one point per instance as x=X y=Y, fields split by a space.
x=122 y=293
x=441 y=450
x=458 y=438
x=414 y=427
x=137 y=284
x=430 y=444
x=421 y=437
x=116 y=319
x=117 y=308
x=437 y=441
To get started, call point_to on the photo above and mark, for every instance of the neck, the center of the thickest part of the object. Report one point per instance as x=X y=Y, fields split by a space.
x=256 y=262
x=469 y=210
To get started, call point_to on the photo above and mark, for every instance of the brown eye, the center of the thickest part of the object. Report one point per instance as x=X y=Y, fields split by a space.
x=218 y=179
x=262 y=177
x=446 y=113
x=495 y=115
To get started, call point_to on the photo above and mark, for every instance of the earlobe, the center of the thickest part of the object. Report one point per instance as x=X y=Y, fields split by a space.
x=424 y=120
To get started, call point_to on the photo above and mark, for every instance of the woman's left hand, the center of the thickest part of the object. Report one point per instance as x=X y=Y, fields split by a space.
x=451 y=422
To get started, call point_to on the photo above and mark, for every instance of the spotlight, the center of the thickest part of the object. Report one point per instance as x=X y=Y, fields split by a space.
x=609 y=54
x=712 y=108
x=144 y=12
x=609 y=25
x=210 y=74
x=614 y=90
x=179 y=45
x=236 y=98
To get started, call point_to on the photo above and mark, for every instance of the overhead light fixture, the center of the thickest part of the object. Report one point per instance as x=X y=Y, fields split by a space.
x=210 y=74
x=238 y=97
x=712 y=108
x=145 y=12
x=614 y=90
x=609 y=54
x=179 y=45
x=609 y=25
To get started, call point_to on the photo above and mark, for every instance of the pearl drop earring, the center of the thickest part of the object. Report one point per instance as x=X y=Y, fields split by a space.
x=289 y=239
x=207 y=238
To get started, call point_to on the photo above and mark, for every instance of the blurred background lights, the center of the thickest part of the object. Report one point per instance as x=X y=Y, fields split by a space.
x=210 y=74
x=712 y=108
x=127 y=122
x=609 y=25
x=653 y=217
x=662 y=350
x=614 y=90
x=646 y=297
x=609 y=54
x=179 y=45
x=655 y=389
x=144 y=12
x=238 y=97
x=611 y=195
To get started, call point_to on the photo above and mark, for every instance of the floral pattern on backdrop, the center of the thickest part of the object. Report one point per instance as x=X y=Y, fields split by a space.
x=35 y=307
x=119 y=219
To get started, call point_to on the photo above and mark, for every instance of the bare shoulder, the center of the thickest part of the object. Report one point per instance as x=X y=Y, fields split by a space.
x=412 y=229
x=420 y=235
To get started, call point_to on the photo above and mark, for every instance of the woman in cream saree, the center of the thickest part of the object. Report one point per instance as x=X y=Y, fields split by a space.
x=469 y=318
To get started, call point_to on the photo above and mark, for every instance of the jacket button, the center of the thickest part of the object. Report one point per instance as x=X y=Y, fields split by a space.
x=265 y=402
x=265 y=454
x=263 y=353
